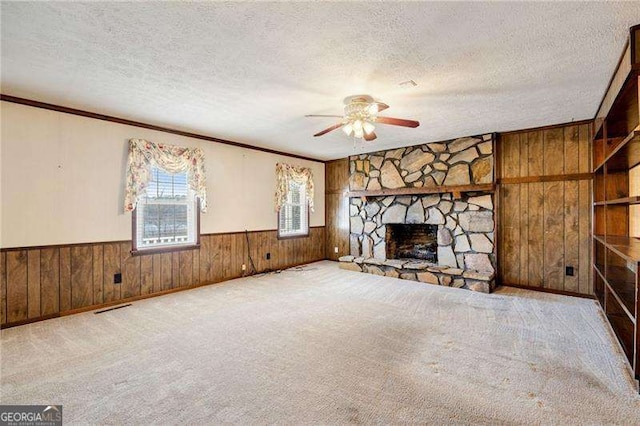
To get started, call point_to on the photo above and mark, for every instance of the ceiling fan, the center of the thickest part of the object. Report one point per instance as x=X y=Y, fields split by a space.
x=360 y=114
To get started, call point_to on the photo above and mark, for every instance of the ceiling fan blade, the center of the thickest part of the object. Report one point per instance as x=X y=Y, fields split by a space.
x=322 y=115
x=370 y=136
x=397 y=122
x=330 y=129
x=382 y=106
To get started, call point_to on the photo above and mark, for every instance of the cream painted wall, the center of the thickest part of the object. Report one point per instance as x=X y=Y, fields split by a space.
x=62 y=180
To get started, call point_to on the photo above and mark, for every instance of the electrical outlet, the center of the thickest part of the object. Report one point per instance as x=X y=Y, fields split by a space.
x=244 y=267
x=117 y=278
x=335 y=250
x=268 y=256
x=569 y=271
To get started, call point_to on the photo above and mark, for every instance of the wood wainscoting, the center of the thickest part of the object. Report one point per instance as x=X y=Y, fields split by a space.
x=44 y=282
x=337 y=207
x=545 y=208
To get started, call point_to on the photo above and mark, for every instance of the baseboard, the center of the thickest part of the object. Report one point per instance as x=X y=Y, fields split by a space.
x=551 y=290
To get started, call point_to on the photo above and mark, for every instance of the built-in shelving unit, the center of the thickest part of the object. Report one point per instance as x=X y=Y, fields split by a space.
x=616 y=252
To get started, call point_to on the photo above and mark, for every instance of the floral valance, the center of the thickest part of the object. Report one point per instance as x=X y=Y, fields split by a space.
x=144 y=155
x=285 y=174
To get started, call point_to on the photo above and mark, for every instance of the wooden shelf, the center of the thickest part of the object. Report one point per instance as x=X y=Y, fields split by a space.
x=424 y=190
x=626 y=154
x=627 y=200
x=622 y=282
x=623 y=293
x=625 y=247
x=624 y=332
x=624 y=308
x=598 y=269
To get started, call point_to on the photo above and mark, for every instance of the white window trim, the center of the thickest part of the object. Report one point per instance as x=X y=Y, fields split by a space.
x=304 y=204
x=193 y=238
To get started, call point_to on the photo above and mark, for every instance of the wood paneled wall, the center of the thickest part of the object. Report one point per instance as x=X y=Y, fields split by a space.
x=38 y=283
x=337 y=208
x=545 y=208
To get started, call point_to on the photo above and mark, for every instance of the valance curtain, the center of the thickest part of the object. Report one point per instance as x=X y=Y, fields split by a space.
x=143 y=155
x=285 y=174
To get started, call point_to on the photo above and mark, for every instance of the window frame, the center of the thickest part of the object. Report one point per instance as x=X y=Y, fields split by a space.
x=139 y=251
x=294 y=236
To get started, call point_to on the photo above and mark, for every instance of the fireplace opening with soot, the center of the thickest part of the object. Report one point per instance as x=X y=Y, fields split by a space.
x=415 y=241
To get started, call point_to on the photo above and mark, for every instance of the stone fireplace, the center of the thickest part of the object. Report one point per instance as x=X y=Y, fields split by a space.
x=420 y=216
x=412 y=241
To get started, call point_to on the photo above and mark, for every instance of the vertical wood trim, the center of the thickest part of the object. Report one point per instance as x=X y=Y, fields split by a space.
x=166 y=266
x=175 y=270
x=523 y=269
x=585 y=282
x=81 y=277
x=157 y=272
x=206 y=262
x=196 y=266
x=535 y=156
x=17 y=304
x=111 y=266
x=146 y=274
x=98 y=272
x=571 y=235
x=50 y=281
x=571 y=149
x=584 y=149
x=130 y=268
x=65 y=279
x=33 y=278
x=226 y=259
x=510 y=156
x=234 y=253
x=511 y=229
x=216 y=258
x=536 y=235
x=336 y=208
x=554 y=151
x=554 y=235
x=185 y=268
x=3 y=288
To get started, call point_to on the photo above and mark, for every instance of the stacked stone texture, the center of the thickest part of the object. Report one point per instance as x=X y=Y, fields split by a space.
x=462 y=161
x=465 y=225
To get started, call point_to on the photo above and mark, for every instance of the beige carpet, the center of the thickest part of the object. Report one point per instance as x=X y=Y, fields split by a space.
x=325 y=346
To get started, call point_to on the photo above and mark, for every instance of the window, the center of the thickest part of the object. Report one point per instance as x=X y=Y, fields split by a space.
x=293 y=218
x=167 y=213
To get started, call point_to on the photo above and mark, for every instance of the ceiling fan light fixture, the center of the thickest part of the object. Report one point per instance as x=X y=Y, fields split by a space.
x=368 y=127
x=360 y=118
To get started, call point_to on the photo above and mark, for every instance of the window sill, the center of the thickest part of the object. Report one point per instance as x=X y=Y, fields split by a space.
x=166 y=249
x=293 y=237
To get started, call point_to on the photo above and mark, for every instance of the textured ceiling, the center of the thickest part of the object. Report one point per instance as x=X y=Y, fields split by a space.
x=249 y=72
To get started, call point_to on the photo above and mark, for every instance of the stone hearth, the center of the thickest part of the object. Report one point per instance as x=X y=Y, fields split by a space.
x=425 y=272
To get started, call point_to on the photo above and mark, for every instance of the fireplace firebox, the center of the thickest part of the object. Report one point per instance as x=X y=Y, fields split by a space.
x=412 y=241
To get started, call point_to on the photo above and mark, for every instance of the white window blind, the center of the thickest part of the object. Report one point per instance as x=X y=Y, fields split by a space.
x=167 y=212
x=294 y=217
